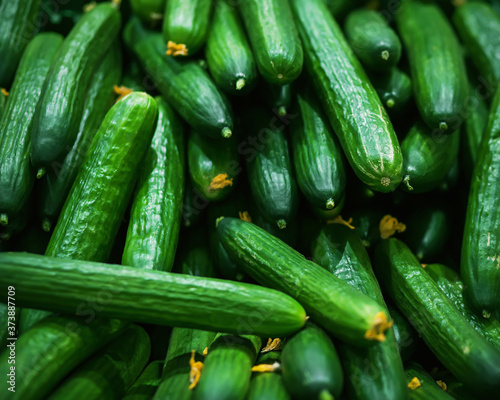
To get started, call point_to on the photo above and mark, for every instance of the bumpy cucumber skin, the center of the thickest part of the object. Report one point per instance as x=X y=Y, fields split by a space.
x=406 y=337
x=394 y=89
x=373 y=41
x=436 y=62
x=18 y=24
x=155 y=217
x=268 y=385
x=229 y=56
x=187 y=22
x=429 y=389
x=462 y=350
x=150 y=12
x=145 y=387
x=59 y=111
x=274 y=38
x=16 y=172
x=56 y=185
x=352 y=104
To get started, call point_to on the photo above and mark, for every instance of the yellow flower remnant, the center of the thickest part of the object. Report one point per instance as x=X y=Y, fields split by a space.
x=121 y=91
x=195 y=372
x=174 y=49
x=389 y=226
x=339 y=220
x=4 y=92
x=245 y=216
x=414 y=383
x=220 y=182
x=379 y=327
x=266 y=367
x=272 y=344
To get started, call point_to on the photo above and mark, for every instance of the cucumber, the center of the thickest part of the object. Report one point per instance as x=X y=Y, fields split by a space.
x=59 y=111
x=17 y=222
x=394 y=89
x=339 y=250
x=159 y=196
x=16 y=175
x=194 y=205
x=436 y=62
x=150 y=12
x=310 y=365
x=349 y=99
x=268 y=385
x=112 y=371
x=372 y=39
x=3 y=99
x=342 y=310
x=452 y=286
x=428 y=157
x=288 y=235
x=444 y=330
x=274 y=38
x=428 y=389
x=193 y=258
x=186 y=87
x=229 y=56
x=29 y=317
x=277 y=97
x=228 y=368
x=55 y=187
x=52 y=349
x=186 y=22
x=405 y=335
x=317 y=156
x=105 y=181
x=145 y=387
x=165 y=298
x=366 y=222
x=213 y=166
x=477 y=25
x=18 y=24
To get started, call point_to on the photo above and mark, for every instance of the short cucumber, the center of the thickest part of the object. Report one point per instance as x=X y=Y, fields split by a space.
x=150 y=12
x=394 y=89
x=109 y=373
x=428 y=389
x=462 y=350
x=159 y=197
x=405 y=335
x=145 y=387
x=372 y=39
x=268 y=385
x=59 y=111
x=349 y=99
x=278 y=98
x=436 y=62
x=339 y=308
x=193 y=256
x=229 y=56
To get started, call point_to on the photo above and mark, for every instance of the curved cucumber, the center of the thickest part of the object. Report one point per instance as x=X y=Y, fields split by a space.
x=394 y=89
x=145 y=387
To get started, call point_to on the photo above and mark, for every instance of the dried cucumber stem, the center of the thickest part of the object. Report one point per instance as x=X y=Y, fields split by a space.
x=414 y=383
x=379 y=327
x=272 y=344
x=226 y=133
x=245 y=216
x=40 y=173
x=406 y=181
x=385 y=55
x=240 y=84
x=281 y=224
x=220 y=182
x=4 y=219
x=174 y=49
x=46 y=225
x=282 y=111
x=195 y=372
x=266 y=367
x=389 y=226
x=330 y=204
x=339 y=220
x=443 y=126
x=121 y=91
x=442 y=385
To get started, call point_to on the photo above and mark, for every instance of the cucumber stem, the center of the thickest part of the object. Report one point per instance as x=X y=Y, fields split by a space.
x=443 y=126
x=385 y=55
x=40 y=173
x=390 y=103
x=218 y=220
x=282 y=111
x=46 y=225
x=325 y=395
x=226 y=132
x=281 y=224
x=240 y=84
x=486 y=314
x=4 y=219
x=406 y=181
x=330 y=204
x=280 y=76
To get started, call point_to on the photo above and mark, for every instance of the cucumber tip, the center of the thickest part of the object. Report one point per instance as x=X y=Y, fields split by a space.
x=280 y=76
x=406 y=181
x=330 y=204
x=385 y=181
x=226 y=133
x=443 y=126
x=40 y=173
x=385 y=55
x=218 y=220
x=281 y=224
x=46 y=225
x=4 y=219
x=390 y=103
x=240 y=84
x=282 y=111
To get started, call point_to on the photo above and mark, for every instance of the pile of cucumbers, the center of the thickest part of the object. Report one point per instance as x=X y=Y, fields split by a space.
x=249 y=199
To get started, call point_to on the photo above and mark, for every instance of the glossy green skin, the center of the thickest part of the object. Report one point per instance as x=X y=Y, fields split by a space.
x=429 y=389
x=155 y=216
x=428 y=157
x=154 y=297
x=208 y=158
x=52 y=349
x=150 y=12
x=369 y=35
x=229 y=56
x=228 y=368
x=96 y=204
x=477 y=25
x=393 y=88
x=59 y=111
x=481 y=243
x=274 y=38
x=110 y=372
x=436 y=62
x=268 y=385
x=317 y=156
x=349 y=99
x=193 y=258
x=339 y=250
x=186 y=87
x=452 y=286
x=147 y=384
x=406 y=337
x=462 y=350
x=16 y=173
x=187 y=22
x=310 y=364
x=55 y=187
x=18 y=24
x=339 y=308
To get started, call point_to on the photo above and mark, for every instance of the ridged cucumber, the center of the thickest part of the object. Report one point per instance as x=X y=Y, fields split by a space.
x=394 y=89
x=427 y=388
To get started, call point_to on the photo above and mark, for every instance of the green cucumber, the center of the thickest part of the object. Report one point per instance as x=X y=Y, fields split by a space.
x=477 y=25
x=59 y=111
x=372 y=39
x=277 y=97
x=17 y=222
x=268 y=385
x=3 y=99
x=436 y=62
x=462 y=350
x=16 y=174
x=342 y=310
x=151 y=244
x=193 y=257
x=452 y=286
x=55 y=187
x=52 y=349
x=213 y=165
x=428 y=389
x=229 y=56
x=194 y=205
x=405 y=335
x=112 y=371
x=310 y=365
x=145 y=387
x=186 y=86
x=349 y=99
x=165 y=298
x=394 y=89
x=18 y=24
x=339 y=250
x=428 y=157
x=228 y=368
x=274 y=38
x=150 y=12
x=30 y=317
x=317 y=156
x=186 y=22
